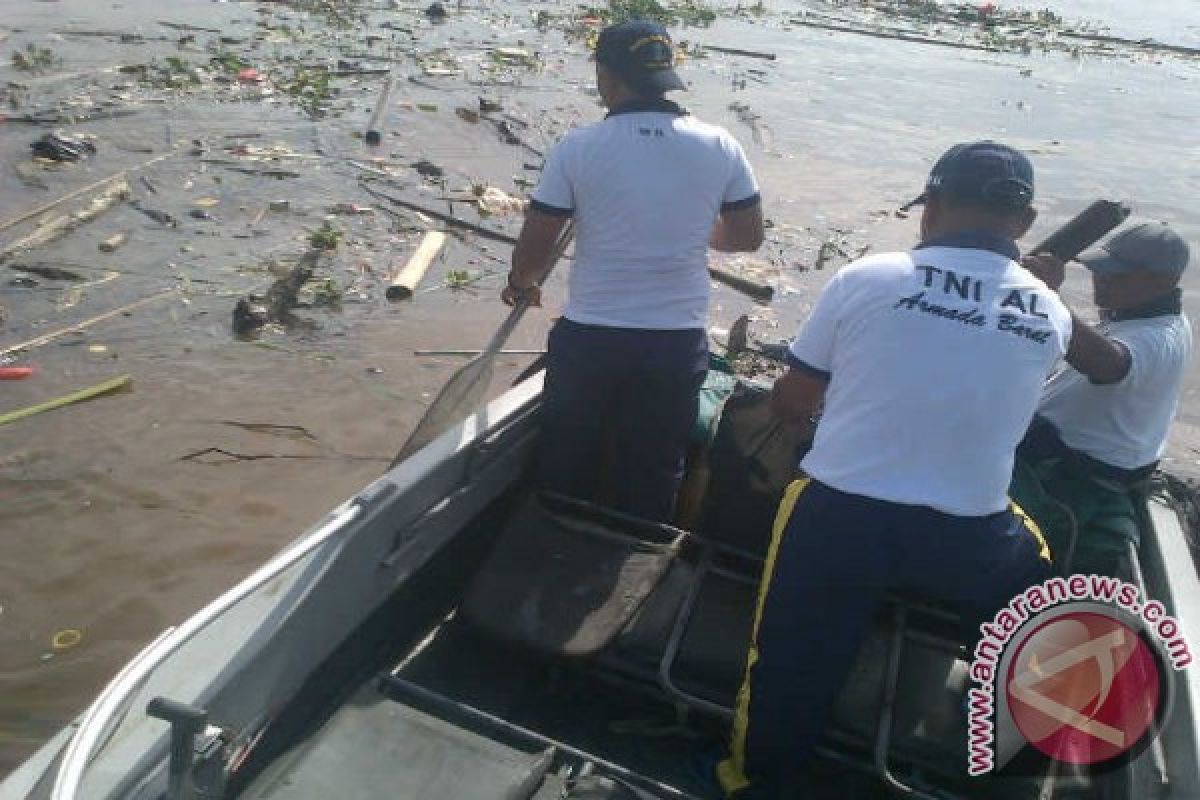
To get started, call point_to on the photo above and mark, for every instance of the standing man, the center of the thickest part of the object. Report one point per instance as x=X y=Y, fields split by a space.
x=1103 y=421
x=928 y=365
x=650 y=188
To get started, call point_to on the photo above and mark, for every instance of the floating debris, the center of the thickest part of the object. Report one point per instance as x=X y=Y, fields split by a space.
x=253 y=311
x=497 y=201
x=34 y=59
x=60 y=226
x=114 y=242
x=161 y=217
x=61 y=147
x=428 y=169
x=407 y=279
x=92 y=392
x=16 y=373
x=49 y=273
x=325 y=237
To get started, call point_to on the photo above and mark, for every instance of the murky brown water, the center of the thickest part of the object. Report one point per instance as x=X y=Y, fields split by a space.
x=106 y=527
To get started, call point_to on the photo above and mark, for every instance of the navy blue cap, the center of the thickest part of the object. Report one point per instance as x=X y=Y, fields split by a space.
x=986 y=173
x=641 y=53
x=1149 y=247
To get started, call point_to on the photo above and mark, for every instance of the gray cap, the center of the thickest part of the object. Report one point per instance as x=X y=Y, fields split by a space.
x=1150 y=247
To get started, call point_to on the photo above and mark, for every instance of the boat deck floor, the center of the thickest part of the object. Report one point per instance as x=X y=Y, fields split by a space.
x=380 y=745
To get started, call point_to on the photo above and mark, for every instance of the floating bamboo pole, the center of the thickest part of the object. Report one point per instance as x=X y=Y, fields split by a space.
x=61 y=226
x=50 y=337
x=99 y=389
x=83 y=190
x=407 y=279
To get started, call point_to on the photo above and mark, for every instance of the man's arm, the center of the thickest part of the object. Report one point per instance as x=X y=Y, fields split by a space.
x=738 y=230
x=531 y=257
x=797 y=397
x=1101 y=359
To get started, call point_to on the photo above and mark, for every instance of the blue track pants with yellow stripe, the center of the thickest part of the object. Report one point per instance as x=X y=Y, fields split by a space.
x=832 y=557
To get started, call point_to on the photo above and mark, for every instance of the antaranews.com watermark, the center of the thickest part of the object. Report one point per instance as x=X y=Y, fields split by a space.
x=1083 y=684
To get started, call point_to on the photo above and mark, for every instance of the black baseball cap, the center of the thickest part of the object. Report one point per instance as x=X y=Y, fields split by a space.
x=641 y=53
x=985 y=173
x=1149 y=247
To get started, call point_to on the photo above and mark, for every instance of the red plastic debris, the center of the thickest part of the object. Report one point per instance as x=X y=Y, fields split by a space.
x=15 y=373
x=249 y=75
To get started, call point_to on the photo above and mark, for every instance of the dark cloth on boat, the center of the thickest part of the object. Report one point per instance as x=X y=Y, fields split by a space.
x=635 y=388
x=1084 y=507
x=832 y=558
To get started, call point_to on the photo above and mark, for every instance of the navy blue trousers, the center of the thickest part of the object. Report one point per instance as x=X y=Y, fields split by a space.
x=832 y=563
x=640 y=388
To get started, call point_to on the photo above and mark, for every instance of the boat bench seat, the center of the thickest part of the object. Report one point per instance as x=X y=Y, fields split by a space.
x=673 y=612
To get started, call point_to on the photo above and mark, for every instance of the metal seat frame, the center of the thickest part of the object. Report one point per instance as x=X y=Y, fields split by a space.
x=880 y=762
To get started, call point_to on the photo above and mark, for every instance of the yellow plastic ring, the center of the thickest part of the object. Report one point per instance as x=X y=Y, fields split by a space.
x=66 y=639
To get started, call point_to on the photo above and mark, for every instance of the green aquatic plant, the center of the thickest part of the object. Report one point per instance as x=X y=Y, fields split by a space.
x=461 y=278
x=34 y=59
x=325 y=237
x=685 y=12
x=226 y=61
x=310 y=88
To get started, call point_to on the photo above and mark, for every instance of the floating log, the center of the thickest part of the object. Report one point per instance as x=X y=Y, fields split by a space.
x=733 y=51
x=252 y=311
x=449 y=219
x=28 y=215
x=406 y=280
x=758 y=290
x=49 y=273
x=61 y=226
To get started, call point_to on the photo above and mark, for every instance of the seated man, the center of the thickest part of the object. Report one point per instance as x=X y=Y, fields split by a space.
x=1102 y=423
x=929 y=364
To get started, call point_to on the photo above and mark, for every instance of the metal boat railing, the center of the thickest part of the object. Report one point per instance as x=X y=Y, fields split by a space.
x=102 y=717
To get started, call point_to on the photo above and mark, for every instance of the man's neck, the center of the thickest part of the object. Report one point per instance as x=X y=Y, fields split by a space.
x=974 y=238
x=638 y=104
x=1165 y=304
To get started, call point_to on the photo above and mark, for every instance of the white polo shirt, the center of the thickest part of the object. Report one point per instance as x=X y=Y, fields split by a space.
x=645 y=186
x=1124 y=424
x=935 y=359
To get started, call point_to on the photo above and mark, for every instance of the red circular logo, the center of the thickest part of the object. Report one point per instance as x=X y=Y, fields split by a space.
x=1084 y=688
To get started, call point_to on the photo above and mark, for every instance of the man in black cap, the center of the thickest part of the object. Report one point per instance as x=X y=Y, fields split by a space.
x=1103 y=421
x=926 y=367
x=650 y=188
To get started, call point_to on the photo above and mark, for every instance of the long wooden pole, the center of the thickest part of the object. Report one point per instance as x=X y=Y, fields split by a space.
x=50 y=337
x=374 y=135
